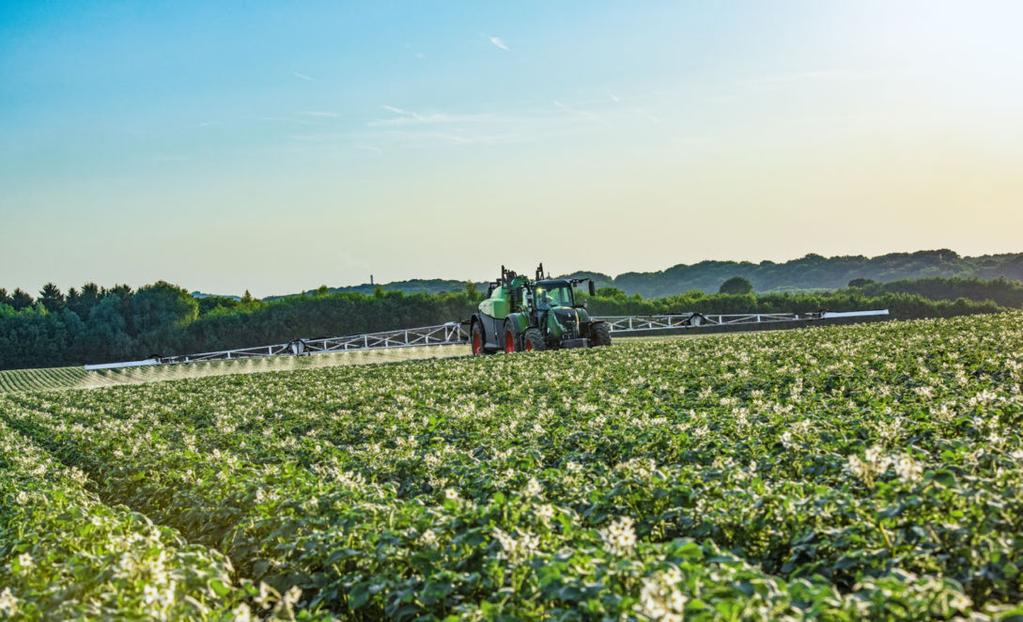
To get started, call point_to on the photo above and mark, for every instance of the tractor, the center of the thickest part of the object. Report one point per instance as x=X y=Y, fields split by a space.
x=522 y=315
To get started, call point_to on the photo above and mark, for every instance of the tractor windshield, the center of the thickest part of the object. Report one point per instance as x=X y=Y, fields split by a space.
x=560 y=296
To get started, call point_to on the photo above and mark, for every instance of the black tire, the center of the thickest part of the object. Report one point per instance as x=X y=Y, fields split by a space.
x=477 y=343
x=532 y=340
x=600 y=334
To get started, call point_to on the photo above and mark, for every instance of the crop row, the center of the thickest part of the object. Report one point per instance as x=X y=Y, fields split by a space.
x=22 y=380
x=64 y=554
x=834 y=472
x=40 y=379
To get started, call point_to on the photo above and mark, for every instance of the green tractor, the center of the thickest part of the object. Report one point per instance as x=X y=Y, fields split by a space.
x=520 y=315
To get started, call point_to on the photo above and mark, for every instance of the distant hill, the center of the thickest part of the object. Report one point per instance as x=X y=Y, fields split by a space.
x=812 y=272
x=412 y=286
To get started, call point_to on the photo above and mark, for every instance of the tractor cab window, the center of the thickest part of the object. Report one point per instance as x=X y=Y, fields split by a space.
x=560 y=296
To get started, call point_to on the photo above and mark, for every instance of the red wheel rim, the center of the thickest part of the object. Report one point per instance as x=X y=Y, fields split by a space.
x=477 y=343
x=529 y=346
x=509 y=342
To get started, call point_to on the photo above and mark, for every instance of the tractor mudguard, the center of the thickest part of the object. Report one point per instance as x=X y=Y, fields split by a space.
x=519 y=321
x=492 y=329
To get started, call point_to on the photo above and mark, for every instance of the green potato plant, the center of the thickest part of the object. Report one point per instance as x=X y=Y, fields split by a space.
x=831 y=473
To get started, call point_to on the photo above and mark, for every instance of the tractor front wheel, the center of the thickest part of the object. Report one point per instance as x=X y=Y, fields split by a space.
x=600 y=334
x=476 y=339
x=532 y=340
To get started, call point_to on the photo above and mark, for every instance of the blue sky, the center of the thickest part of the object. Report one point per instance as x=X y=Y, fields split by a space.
x=275 y=147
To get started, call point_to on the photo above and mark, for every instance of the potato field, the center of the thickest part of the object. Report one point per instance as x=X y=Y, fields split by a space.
x=829 y=473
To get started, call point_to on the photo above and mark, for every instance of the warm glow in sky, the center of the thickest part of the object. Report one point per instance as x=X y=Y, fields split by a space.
x=275 y=147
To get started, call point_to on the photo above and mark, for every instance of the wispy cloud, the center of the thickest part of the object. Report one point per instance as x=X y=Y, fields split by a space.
x=405 y=117
x=302 y=76
x=409 y=127
x=399 y=111
x=456 y=137
x=572 y=110
x=506 y=123
x=499 y=43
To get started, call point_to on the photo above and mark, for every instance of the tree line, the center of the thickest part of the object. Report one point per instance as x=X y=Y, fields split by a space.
x=610 y=301
x=95 y=324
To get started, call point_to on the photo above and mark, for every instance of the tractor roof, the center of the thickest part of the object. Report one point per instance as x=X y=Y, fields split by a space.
x=549 y=283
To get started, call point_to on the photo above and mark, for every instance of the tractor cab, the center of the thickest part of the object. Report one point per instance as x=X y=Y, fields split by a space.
x=550 y=294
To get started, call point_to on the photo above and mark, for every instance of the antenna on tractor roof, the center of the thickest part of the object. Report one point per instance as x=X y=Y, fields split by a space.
x=539 y=272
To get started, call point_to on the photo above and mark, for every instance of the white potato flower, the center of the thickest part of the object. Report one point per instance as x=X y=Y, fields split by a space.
x=8 y=603
x=267 y=596
x=908 y=469
x=619 y=537
x=25 y=562
x=242 y=613
x=873 y=464
x=660 y=598
x=428 y=538
x=787 y=440
x=517 y=549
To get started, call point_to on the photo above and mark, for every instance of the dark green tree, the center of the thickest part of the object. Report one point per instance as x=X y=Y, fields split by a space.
x=105 y=337
x=5 y=299
x=736 y=285
x=162 y=306
x=52 y=298
x=121 y=291
x=158 y=315
x=209 y=304
x=82 y=302
x=860 y=282
x=611 y=292
x=124 y=295
x=21 y=299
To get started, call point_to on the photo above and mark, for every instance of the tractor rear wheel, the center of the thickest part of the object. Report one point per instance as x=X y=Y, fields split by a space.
x=532 y=340
x=601 y=334
x=476 y=339
x=511 y=343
